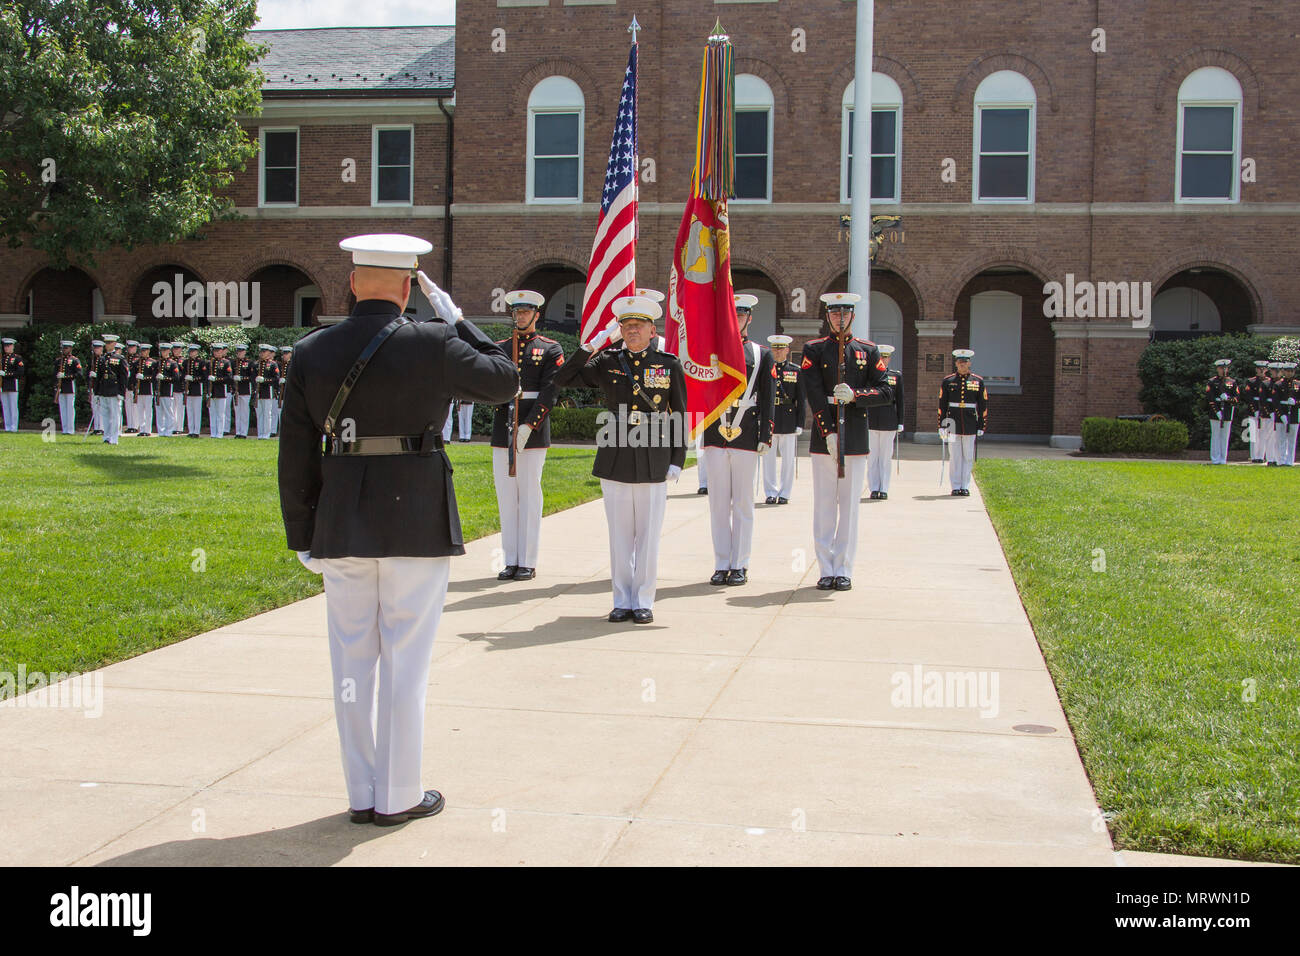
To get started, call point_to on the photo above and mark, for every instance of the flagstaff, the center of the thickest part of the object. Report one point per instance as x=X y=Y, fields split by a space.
x=860 y=237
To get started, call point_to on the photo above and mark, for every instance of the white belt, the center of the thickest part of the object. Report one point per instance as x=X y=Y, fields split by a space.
x=528 y=394
x=963 y=405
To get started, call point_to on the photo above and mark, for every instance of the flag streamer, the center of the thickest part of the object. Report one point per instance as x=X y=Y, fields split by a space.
x=715 y=131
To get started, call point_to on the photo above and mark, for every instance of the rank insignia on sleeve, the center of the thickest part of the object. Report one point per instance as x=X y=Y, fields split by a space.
x=560 y=360
x=807 y=363
x=882 y=365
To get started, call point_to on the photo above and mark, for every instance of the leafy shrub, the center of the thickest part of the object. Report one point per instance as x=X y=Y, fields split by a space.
x=1161 y=437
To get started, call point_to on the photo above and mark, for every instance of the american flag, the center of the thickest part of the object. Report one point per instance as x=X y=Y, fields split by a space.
x=612 y=272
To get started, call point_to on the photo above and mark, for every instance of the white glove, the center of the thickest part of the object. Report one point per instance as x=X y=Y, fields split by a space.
x=597 y=341
x=615 y=333
x=212 y=378
x=261 y=378
x=522 y=434
x=1223 y=396
x=189 y=378
x=763 y=448
x=943 y=434
x=900 y=428
x=60 y=375
x=238 y=379
x=311 y=564
x=443 y=307
x=843 y=393
x=833 y=446
x=798 y=432
x=674 y=472
x=979 y=433
x=94 y=375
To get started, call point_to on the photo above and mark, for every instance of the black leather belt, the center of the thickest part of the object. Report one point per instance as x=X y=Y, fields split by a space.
x=425 y=444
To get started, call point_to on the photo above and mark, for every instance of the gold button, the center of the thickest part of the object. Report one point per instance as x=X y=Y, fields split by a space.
x=637 y=363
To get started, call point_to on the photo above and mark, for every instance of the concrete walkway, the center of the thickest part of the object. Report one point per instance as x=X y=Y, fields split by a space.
x=754 y=725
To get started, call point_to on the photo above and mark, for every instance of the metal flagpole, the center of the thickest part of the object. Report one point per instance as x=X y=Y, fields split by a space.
x=860 y=231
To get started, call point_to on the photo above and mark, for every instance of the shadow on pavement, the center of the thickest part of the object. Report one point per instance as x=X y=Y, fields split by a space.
x=322 y=842
x=562 y=630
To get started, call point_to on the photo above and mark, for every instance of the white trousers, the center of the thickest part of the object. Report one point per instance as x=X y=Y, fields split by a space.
x=635 y=514
x=700 y=471
x=164 y=414
x=110 y=413
x=1220 y=434
x=519 y=503
x=128 y=408
x=1286 y=444
x=9 y=404
x=144 y=414
x=466 y=423
x=194 y=412
x=446 y=426
x=382 y=616
x=787 y=447
x=266 y=424
x=96 y=422
x=178 y=412
x=68 y=411
x=219 y=417
x=241 y=414
x=835 y=512
x=731 y=505
x=879 y=460
x=1257 y=439
x=961 y=452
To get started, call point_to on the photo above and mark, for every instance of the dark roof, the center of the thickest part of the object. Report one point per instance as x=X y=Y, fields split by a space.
x=359 y=60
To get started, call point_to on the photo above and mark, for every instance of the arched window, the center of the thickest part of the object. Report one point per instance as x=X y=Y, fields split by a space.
x=887 y=325
x=556 y=111
x=753 y=139
x=1005 y=107
x=1209 y=137
x=886 y=140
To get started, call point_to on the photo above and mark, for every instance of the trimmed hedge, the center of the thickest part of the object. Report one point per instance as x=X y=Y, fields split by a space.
x=1104 y=435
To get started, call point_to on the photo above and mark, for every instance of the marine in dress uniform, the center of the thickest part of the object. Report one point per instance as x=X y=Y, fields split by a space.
x=11 y=373
x=265 y=379
x=465 y=420
x=1269 y=405
x=732 y=446
x=164 y=381
x=221 y=382
x=92 y=377
x=1221 y=394
x=132 y=397
x=963 y=417
x=111 y=385
x=1251 y=392
x=286 y=356
x=638 y=449
x=375 y=510
x=1286 y=400
x=146 y=371
x=519 y=498
x=67 y=368
x=886 y=423
x=861 y=385
x=194 y=373
x=787 y=422
x=243 y=372
x=178 y=389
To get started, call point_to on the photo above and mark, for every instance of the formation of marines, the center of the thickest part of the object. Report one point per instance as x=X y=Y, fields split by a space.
x=1267 y=403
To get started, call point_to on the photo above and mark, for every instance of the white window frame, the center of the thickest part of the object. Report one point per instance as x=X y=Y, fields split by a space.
x=1029 y=103
x=756 y=107
x=1004 y=387
x=261 y=165
x=374 y=165
x=1235 y=104
x=531 y=162
x=893 y=103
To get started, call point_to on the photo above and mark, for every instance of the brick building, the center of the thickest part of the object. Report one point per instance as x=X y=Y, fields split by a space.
x=1021 y=147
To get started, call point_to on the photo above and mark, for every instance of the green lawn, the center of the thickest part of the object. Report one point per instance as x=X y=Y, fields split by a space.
x=1177 y=664
x=98 y=545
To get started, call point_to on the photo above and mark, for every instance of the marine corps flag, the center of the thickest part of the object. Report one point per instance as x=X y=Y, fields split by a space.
x=701 y=326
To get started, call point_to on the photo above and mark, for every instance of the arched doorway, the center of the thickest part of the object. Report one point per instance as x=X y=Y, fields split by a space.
x=159 y=298
x=1198 y=302
x=286 y=296
x=563 y=286
x=769 y=313
x=61 y=297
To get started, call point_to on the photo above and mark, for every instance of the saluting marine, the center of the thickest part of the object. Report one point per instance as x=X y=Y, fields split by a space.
x=843 y=377
x=639 y=450
x=886 y=425
x=66 y=370
x=1221 y=394
x=787 y=422
x=521 y=433
x=963 y=417
x=732 y=445
x=11 y=372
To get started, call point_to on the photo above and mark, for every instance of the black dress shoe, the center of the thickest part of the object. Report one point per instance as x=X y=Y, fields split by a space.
x=956 y=492
x=843 y=584
x=508 y=573
x=884 y=495
x=702 y=491
x=619 y=615
x=525 y=574
x=782 y=501
x=965 y=492
x=719 y=577
x=98 y=431
x=875 y=495
x=826 y=584
x=361 y=816
x=737 y=576
x=770 y=500
x=642 y=615
x=431 y=804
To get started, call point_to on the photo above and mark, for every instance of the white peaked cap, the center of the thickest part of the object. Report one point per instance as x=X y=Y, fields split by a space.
x=1223 y=361
x=266 y=348
x=654 y=295
x=63 y=342
x=636 y=307
x=841 y=298
x=744 y=301
x=886 y=349
x=525 y=297
x=111 y=338
x=778 y=340
x=386 y=250
x=963 y=353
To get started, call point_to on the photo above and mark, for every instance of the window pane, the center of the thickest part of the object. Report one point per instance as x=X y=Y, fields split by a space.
x=555 y=178
x=394 y=147
x=394 y=184
x=751 y=132
x=555 y=134
x=1207 y=177
x=281 y=149
x=1004 y=131
x=1207 y=127
x=751 y=177
x=281 y=185
x=884 y=124
x=1004 y=177
x=882 y=177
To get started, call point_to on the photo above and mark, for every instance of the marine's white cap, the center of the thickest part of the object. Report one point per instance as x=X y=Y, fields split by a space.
x=266 y=348
x=219 y=345
x=746 y=302
x=386 y=250
x=963 y=353
x=132 y=342
x=63 y=342
x=1261 y=363
x=841 y=300
x=654 y=295
x=192 y=346
x=8 y=341
x=886 y=350
x=779 y=341
x=99 y=342
x=636 y=307
x=241 y=346
x=145 y=345
x=285 y=348
x=111 y=338
x=1223 y=361
x=1277 y=365
x=524 y=297
x=164 y=345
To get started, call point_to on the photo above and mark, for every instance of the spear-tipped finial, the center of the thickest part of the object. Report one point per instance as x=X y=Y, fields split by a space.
x=633 y=28
x=718 y=32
